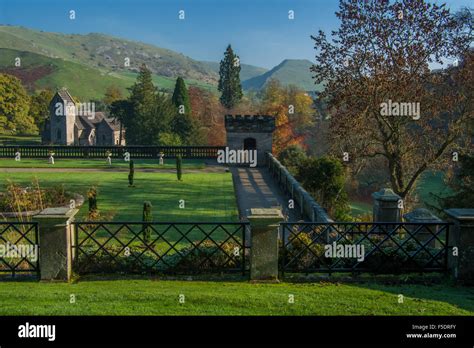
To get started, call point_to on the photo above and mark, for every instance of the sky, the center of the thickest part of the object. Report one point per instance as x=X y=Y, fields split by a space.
x=259 y=30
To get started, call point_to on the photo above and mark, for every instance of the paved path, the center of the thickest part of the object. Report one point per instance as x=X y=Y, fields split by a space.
x=255 y=188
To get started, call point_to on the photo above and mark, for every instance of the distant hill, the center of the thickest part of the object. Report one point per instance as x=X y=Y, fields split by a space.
x=289 y=72
x=103 y=51
x=86 y=83
x=246 y=72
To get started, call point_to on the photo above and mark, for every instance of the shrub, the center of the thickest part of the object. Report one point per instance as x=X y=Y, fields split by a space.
x=179 y=172
x=292 y=157
x=147 y=217
x=131 y=174
x=92 y=199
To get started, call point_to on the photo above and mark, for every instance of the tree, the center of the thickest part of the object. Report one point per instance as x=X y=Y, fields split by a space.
x=39 y=107
x=147 y=112
x=179 y=169
x=273 y=100
x=381 y=53
x=121 y=110
x=182 y=122
x=292 y=157
x=208 y=116
x=325 y=179
x=14 y=107
x=462 y=185
x=112 y=94
x=229 y=79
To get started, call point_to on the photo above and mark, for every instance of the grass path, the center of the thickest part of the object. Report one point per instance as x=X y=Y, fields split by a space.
x=151 y=297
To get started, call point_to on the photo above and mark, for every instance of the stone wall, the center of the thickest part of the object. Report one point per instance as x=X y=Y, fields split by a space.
x=309 y=208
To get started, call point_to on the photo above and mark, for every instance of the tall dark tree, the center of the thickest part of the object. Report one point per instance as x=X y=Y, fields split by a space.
x=182 y=121
x=229 y=79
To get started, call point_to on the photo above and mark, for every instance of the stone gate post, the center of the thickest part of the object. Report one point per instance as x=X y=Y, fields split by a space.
x=264 y=225
x=55 y=238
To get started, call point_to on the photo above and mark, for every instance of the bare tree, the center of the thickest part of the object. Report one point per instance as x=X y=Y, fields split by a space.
x=383 y=98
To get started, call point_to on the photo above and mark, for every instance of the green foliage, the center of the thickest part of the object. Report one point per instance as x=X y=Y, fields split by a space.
x=462 y=185
x=14 y=107
x=292 y=157
x=147 y=113
x=179 y=170
x=92 y=200
x=147 y=217
x=131 y=173
x=170 y=139
x=180 y=96
x=229 y=79
x=325 y=179
x=39 y=107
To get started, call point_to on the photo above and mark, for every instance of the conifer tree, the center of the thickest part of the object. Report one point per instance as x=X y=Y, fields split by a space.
x=229 y=79
x=182 y=122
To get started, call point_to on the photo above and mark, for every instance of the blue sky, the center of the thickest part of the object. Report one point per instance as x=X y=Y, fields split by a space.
x=259 y=30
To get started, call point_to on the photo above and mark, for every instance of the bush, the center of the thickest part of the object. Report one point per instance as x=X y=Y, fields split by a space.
x=292 y=157
x=179 y=172
x=131 y=174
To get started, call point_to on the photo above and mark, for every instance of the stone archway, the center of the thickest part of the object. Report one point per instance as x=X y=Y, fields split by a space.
x=250 y=144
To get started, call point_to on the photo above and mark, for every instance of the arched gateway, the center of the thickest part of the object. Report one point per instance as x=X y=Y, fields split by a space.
x=250 y=132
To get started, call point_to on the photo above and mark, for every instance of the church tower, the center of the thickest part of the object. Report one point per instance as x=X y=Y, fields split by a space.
x=62 y=110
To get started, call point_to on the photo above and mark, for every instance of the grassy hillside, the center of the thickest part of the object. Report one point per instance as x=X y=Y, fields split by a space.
x=38 y=71
x=103 y=51
x=246 y=72
x=289 y=72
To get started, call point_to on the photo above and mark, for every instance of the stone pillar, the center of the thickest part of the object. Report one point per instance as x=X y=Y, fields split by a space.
x=386 y=206
x=461 y=236
x=55 y=240
x=422 y=215
x=264 y=225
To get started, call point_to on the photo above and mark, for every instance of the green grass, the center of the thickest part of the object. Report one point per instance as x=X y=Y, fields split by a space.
x=207 y=196
x=99 y=164
x=20 y=140
x=152 y=297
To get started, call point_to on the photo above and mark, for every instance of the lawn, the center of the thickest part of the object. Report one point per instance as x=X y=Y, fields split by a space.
x=99 y=163
x=161 y=297
x=19 y=140
x=207 y=196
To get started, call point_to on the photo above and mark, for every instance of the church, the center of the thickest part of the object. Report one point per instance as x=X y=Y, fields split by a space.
x=68 y=124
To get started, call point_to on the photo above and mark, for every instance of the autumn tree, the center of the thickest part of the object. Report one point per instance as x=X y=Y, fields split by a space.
x=292 y=111
x=113 y=93
x=229 y=79
x=14 y=107
x=380 y=54
x=208 y=115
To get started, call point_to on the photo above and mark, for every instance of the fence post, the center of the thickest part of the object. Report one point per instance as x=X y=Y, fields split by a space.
x=387 y=206
x=461 y=243
x=55 y=240
x=264 y=225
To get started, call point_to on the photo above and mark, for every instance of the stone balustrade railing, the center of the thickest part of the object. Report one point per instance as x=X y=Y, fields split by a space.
x=308 y=206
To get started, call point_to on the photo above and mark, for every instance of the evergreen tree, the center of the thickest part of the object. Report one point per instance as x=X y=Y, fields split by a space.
x=179 y=169
x=183 y=124
x=229 y=79
x=142 y=98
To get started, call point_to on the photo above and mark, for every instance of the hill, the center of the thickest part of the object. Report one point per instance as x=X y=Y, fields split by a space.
x=289 y=72
x=104 y=51
x=246 y=72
